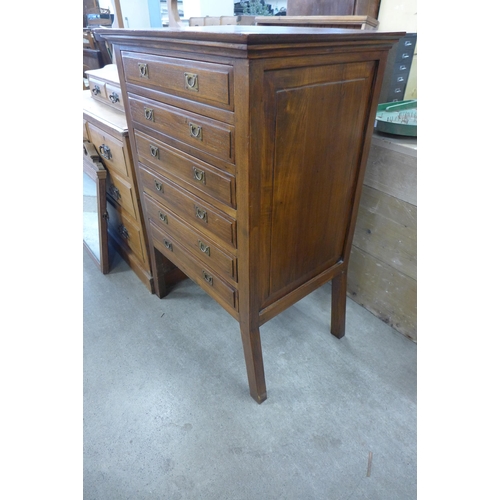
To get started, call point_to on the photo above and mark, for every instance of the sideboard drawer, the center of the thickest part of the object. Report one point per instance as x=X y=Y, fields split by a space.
x=194 y=210
x=121 y=192
x=110 y=150
x=199 y=244
x=198 y=174
x=205 y=277
x=114 y=96
x=125 y=230
x=211 y=136
x=195 y=80
x=97 y=88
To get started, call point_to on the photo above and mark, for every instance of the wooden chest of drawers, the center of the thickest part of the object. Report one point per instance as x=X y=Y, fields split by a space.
x=250 y=145
x=106 y=128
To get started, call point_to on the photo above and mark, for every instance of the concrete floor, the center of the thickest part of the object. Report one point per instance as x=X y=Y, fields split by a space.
x=168 y=416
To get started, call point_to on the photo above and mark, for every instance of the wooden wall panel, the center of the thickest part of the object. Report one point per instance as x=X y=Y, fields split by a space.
x=384 y=291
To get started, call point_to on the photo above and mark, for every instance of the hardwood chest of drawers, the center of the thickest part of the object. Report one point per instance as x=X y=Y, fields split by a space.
x=106 y=128
x=250 y=145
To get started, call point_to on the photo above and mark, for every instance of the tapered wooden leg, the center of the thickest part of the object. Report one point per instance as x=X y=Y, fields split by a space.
x=165 y=274
x=339 y=293
x=253 y=359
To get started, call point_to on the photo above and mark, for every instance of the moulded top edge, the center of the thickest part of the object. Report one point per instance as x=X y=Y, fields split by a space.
x=251 y=35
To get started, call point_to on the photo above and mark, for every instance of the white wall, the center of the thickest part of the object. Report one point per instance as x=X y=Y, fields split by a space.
x=202 y=8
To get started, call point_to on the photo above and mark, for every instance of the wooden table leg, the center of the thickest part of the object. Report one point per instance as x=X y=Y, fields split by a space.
x=254 y=363
x=339 y=294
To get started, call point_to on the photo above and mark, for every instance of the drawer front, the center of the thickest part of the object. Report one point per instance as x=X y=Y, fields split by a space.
x=192 y=209
x=200 y=175
x=85 y=131
x=121 y=192
x=114 y=96
x=126 y=231
x=213 y=284
x=204 y=248
x=205 y=134
x=97 y=88
x=194 y=80
x=110 y=150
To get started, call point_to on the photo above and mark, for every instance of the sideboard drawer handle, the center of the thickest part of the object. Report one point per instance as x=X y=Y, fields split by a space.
x=114 y=97
x=155 y=152
x=201 y=214
x=168 y=244
x=199 y=175
x=143 y=70
x=204 y=248
x=96 y=90
x=196 y=131
x=105 y=151
x=208 y=278
x=159 y=186
x=191 y=80
x=114 y=192
x=123 y=232
x=149 y=114
x=163 y=217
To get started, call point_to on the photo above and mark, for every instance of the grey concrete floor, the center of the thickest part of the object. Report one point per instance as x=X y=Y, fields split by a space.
x=168 y=416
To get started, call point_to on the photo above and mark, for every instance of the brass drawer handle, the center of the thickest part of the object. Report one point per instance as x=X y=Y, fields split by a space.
x=114 y=97
x=201 y=214
x=208 y=278
x=168 y=244
x=162 y=217
x=191 y=80
x=196 y=131
x=105 y=151
x=199 y=175
x=204 y=248
x=159 y=186
x=114 y=192
x=96 y=90
x=143 y=70
x=123 y=232
x=155 y=152
x=149 y=114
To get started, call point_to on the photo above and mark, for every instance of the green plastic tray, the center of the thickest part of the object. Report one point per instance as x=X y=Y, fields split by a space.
x=399 y=118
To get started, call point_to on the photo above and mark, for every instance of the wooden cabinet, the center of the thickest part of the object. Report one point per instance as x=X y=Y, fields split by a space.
x=105 y=126
x=250 y=145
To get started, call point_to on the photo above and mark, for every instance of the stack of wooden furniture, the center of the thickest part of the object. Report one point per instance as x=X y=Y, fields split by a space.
x=105 y=126
x=250 y=145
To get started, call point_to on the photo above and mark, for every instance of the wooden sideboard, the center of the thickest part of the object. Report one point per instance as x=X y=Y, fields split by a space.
x=105 y=126
x=250 y=145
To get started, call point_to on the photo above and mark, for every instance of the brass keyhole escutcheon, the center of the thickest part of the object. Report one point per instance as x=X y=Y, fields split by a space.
x=199 y=175
x=196 y=131
x=204 y=248
x=208 y=278
x=143 y=70
x=201 y=214
x=159 y=186
x=149 y=114
x=191 y=80
x=168 y=244
x=155 y=152
x=163 y=217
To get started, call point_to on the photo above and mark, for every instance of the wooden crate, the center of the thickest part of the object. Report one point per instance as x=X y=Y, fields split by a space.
x=382 y=274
